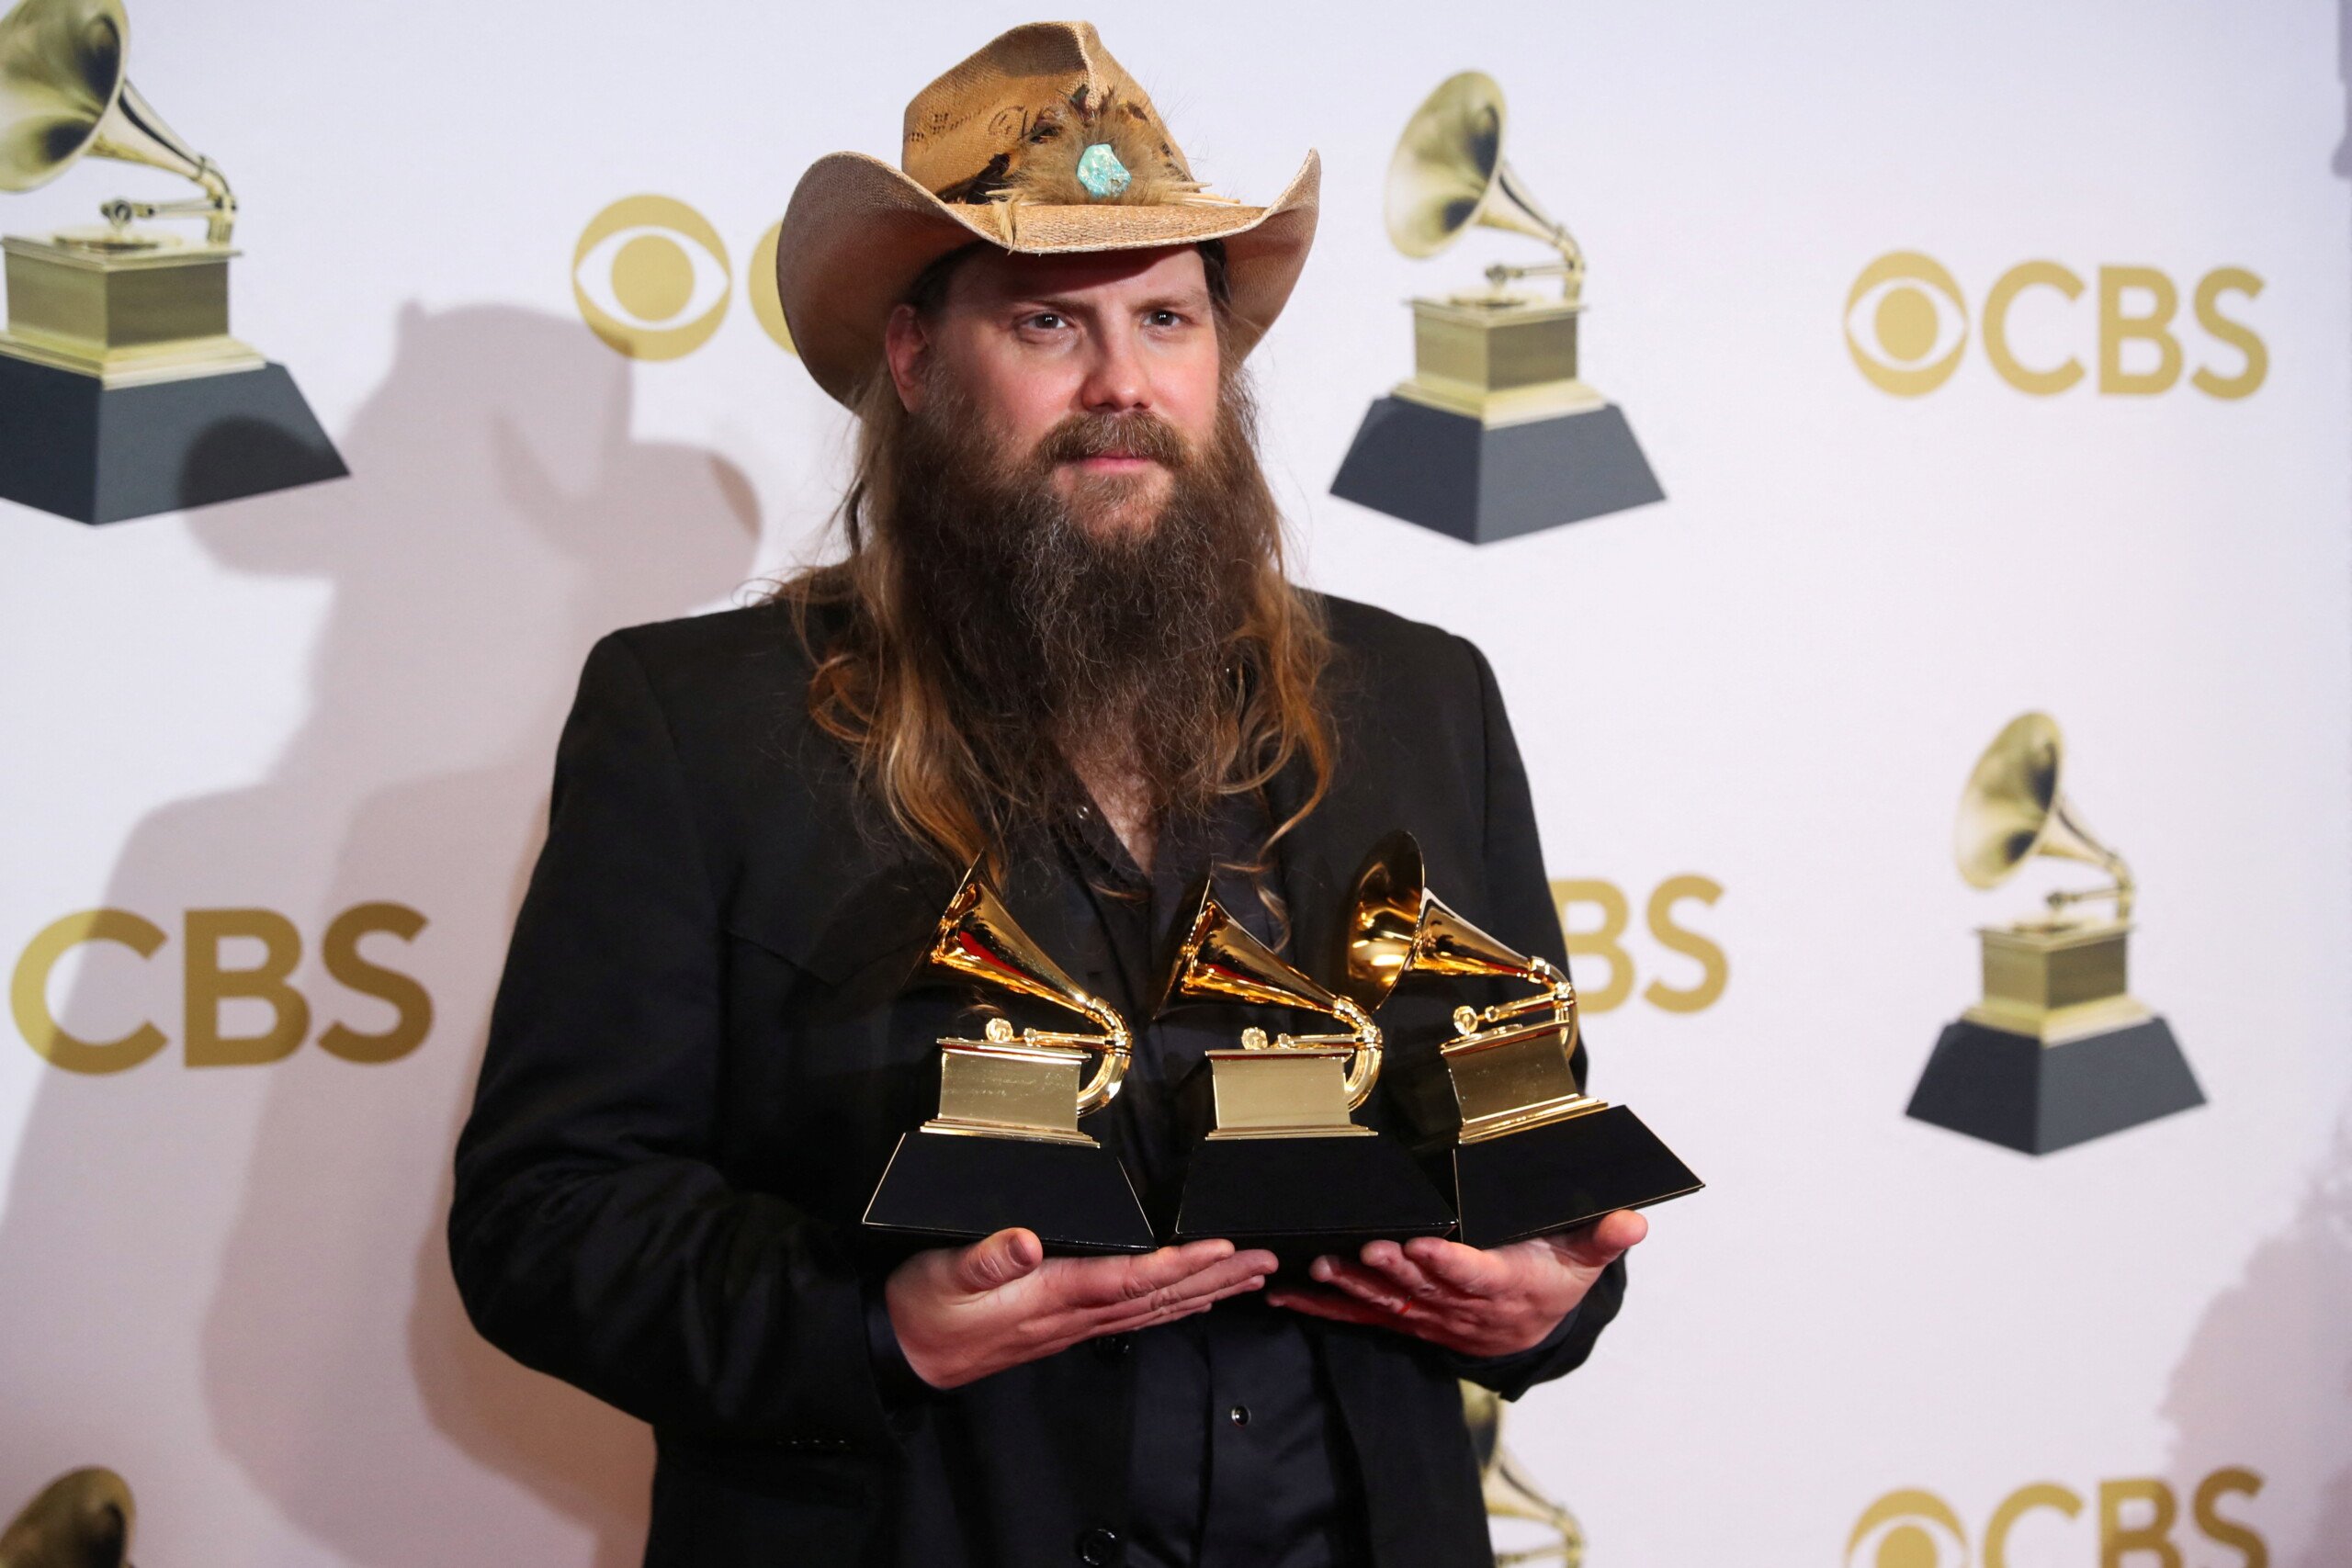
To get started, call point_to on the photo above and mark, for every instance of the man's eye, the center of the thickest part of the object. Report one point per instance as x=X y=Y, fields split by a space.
x=1166 y=319
x=1048 y=319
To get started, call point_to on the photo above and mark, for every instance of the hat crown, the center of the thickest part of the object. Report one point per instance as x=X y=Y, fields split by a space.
x=967 y=135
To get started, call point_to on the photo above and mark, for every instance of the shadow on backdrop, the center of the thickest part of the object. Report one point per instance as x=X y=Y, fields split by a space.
x=2292 y=1291
x=2225 y=1402
x=501 y=517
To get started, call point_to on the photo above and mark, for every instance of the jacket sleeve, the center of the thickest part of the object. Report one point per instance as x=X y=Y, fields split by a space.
x=1520 y=897
x=590 y=1234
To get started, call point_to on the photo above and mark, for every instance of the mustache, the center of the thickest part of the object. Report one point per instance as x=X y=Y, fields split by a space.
x=1140 y=434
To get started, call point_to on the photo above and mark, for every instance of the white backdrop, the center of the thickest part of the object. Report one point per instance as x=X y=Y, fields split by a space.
x=228 y=1282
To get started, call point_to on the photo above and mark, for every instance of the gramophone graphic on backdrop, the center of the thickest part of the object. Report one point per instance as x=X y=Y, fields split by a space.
x=1494 y=435
x=2058 y=1052
x=121 y=392
x=1510 y=1493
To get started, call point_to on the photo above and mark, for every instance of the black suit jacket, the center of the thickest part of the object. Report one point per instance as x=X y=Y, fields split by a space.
x=704 y=1048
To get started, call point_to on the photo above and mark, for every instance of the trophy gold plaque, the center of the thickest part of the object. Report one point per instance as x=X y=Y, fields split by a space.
x=1495 y=434
x=1282 y=1164
x=121 y=391
x=1510 y=1492
x=2058 y=1052
x=1528 y=1151
x=1005 y=1148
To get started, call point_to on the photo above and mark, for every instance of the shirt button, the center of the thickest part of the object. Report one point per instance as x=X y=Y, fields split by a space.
x=1098 y=1546
x=1111 y=1346
x=1239 y=1415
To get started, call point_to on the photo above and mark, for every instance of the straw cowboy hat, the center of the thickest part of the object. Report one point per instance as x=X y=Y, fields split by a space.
x=1040 y=144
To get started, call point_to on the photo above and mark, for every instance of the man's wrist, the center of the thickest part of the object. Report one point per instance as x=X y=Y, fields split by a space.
x=1549 y=1342
x=901 y=1387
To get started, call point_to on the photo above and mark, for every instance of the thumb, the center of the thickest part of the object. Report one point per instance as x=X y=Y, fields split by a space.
x=1604 y=1241
x=998 y=1260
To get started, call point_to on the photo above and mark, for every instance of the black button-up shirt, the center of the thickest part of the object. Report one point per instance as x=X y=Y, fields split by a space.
x=1239 y=1456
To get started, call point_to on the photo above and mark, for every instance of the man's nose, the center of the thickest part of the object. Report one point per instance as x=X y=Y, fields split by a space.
x=1117 y=381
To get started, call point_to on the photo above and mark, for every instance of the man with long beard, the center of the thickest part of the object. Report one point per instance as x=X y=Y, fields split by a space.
x=1060 y=639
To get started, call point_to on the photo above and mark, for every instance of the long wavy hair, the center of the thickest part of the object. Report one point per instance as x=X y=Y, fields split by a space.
x=881 y=684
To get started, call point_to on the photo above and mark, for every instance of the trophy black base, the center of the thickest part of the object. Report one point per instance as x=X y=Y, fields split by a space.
x=1299 y=1198
x=77 y=448
x=955 y=1187
x=1566 y=1174
x=1452 y=473
x=2013 y=1091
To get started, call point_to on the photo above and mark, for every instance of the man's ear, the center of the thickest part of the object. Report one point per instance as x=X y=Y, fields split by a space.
x=906 y=348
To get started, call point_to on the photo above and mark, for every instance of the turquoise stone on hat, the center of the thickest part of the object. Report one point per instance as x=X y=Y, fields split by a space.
x=1100 y=170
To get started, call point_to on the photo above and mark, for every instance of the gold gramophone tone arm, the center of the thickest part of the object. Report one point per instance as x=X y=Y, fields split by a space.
x=1509 y=205
x=134 y=133
x=1570 y=272
x=1116 y=1043
x=220 y=212
x=2060 y=899
x=1502 y=272
x=1364 y=1068
x=1255 y=1039
x=1559 y=994
x=2068 y=838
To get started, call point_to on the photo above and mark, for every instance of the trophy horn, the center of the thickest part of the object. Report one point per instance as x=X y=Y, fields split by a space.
x=64 y=96
x=1448 y=174
x=1396 y=926
x=2013 y=810
x=1506 y=1488
x=978 y=939
x=1219 y=960
x=82 y=1520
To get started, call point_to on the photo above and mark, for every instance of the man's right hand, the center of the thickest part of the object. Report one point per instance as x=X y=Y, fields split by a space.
x=964 y=1313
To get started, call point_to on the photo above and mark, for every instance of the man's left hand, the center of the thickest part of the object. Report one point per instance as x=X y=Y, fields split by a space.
x=1493 y=1302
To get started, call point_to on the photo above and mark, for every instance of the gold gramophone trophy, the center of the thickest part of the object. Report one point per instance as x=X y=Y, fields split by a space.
x=1495 y=434
x=82 y=1520
x=1005 y=1148
x=1282 y=1164
x=1527 y=1151
x=121 y=392
x=1510 y=1492
x=2058 y=1052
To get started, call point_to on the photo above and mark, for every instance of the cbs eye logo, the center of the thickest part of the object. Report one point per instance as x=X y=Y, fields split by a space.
x=2135 y=1518
x=1908 y=328
x=650 y=278
x=1913 y=323
x=1907 y=1529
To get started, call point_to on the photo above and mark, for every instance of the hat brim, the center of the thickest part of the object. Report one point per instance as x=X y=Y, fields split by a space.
x=858 y=232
